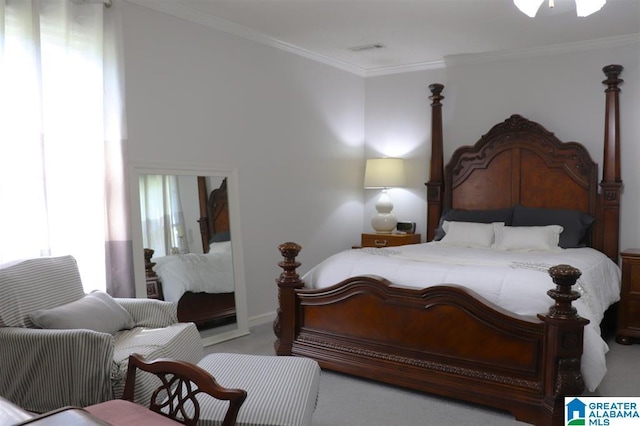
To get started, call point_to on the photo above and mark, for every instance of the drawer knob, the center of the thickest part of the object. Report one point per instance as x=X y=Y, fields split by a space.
x=381 y=243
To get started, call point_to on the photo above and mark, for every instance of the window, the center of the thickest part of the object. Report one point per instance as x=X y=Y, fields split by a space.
x=54 y=178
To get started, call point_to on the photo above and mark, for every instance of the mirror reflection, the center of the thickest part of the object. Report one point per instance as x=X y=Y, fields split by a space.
x=187 y=242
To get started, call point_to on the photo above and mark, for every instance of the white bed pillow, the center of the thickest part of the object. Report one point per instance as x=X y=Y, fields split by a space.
x=528 y=238
x=221 y=247
x=469 y=234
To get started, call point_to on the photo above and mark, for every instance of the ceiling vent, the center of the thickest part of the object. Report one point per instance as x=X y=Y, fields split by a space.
x=371 y=46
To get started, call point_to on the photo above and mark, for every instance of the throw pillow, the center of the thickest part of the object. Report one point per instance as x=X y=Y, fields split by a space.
x=527 y=238
x=96 y=311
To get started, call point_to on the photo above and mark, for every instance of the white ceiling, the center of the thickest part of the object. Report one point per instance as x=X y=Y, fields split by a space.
x=417 y=34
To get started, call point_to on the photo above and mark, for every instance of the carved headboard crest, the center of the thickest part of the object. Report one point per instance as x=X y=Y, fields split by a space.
x=519 y=134
x=517 y=123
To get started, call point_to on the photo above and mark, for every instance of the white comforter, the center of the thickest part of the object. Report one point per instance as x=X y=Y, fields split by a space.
x=516 y=281
x=210 y=273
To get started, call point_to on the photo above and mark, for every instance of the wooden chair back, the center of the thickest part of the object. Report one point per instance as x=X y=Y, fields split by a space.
x=176 y=397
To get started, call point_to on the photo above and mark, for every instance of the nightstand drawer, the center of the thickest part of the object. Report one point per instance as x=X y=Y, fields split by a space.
x=633 y=270
x=629 y=310
x=389 y=240
x=633 y=315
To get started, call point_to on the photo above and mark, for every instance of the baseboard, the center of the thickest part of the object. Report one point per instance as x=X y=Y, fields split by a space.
x=262 y=319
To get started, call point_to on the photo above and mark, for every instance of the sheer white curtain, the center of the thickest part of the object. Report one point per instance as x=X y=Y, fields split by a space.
x=61 y=138
x=163 y=226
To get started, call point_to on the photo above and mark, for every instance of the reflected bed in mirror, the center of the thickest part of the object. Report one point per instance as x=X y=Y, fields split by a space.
x=197 y=275
x=189 y=251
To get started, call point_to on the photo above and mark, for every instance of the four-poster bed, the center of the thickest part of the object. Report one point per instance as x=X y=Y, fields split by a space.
x=447 y=339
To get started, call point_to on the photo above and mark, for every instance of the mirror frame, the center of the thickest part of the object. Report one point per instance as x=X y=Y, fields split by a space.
x=135 y=171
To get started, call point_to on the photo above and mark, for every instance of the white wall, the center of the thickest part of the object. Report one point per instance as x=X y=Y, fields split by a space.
x=562 y=92
x=292 y=127
x=295 y=129
x=398 y=124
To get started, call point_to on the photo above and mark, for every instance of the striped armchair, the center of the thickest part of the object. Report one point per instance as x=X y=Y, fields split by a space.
x=48 y=368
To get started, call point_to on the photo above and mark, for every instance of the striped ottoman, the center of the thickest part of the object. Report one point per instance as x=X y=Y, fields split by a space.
x=281 y=390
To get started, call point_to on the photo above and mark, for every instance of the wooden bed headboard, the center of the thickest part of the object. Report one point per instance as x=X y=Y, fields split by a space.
x=520 y=162
x=214 y=211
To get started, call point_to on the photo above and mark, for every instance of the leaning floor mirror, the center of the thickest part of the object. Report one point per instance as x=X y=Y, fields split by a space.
x=188 y=246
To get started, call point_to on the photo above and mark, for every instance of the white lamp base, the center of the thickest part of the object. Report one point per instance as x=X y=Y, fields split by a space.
x=384 y=222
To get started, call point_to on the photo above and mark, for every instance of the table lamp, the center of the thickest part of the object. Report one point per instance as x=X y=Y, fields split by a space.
x=384 y=173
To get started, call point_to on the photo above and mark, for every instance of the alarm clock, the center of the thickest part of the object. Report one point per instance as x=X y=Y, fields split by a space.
x=406 y=227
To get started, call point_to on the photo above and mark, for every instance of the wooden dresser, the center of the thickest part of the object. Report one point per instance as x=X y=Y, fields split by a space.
x=629 y=310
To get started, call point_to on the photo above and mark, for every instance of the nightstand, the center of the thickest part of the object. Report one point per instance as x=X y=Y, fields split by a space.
x=629 y=309
x=389 y=240
x=154 y=289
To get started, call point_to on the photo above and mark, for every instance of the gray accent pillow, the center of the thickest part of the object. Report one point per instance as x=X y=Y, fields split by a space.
x=576 y=224
x=477 y=216
x=220 y=237
x=96 y=311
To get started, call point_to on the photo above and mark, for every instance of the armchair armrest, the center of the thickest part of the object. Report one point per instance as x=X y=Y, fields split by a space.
x=11 y=414
x=47 y=369
x=150 y=312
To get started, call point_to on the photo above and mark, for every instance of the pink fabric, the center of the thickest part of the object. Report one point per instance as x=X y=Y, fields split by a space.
x=119 y=412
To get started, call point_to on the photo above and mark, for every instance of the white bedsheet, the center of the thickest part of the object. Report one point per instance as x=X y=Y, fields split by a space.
x=516 y=281
x=210 y=273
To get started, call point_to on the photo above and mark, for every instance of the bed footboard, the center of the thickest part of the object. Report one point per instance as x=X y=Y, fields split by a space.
x=444 y=340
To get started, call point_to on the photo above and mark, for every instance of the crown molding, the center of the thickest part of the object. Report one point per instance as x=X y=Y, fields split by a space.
x=229 y=27
x=398 y=69
x=562 y=48
x=179 y=11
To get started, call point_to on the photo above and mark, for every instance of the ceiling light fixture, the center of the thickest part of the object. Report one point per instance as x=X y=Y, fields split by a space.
x=583 y=7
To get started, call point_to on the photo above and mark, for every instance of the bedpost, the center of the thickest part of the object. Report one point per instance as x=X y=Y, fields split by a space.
x=203 y=195
x=436 y=171
x=285 y=323
x=611 y=185
x=565 y=330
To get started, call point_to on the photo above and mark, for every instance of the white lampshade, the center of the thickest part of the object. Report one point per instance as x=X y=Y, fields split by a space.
x=384 y=173
x=583 y=7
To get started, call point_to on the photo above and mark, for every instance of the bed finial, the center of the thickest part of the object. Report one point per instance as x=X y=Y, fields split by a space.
x=612 y=72
x=611 y=185
x=436 y=90
x=564 y=277
x=289 y=275
x=436 y=173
